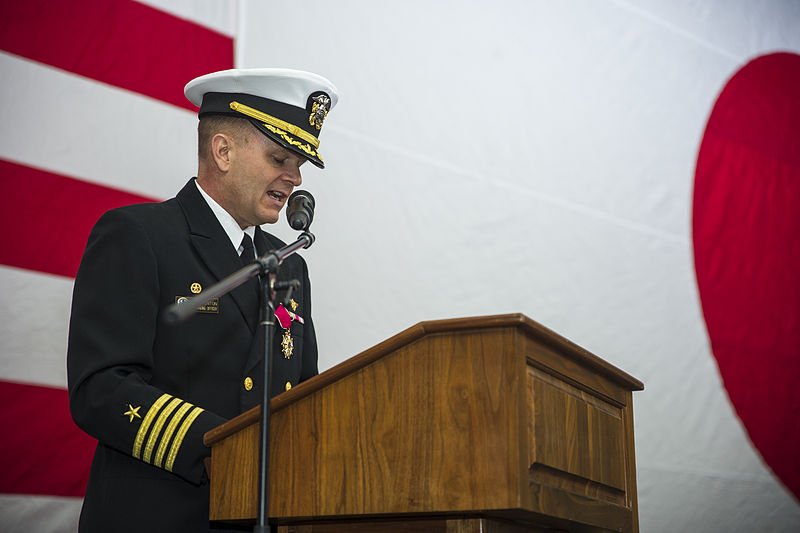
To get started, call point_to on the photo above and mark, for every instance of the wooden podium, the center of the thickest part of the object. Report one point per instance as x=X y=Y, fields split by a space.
x=476 y=424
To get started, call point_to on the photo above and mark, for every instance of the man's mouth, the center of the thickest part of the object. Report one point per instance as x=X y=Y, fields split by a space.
x=277 y=195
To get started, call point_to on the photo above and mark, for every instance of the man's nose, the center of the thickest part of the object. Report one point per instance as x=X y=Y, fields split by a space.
x=295 y=177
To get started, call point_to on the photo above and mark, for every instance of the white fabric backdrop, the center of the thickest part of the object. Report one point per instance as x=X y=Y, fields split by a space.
x=514 y=156
x=536 y=157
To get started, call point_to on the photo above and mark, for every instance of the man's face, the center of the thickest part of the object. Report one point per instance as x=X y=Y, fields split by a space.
x=262 y=175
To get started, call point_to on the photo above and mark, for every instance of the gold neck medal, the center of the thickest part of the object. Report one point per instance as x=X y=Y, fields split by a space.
x=285 y=319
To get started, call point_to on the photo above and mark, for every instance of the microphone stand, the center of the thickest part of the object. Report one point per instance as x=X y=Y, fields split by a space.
x=268 y=265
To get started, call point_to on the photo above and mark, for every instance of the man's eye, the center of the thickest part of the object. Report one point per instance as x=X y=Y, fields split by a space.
x=278 y=160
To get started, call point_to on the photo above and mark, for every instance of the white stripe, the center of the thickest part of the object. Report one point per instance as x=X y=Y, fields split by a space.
x=34 y=319
x=218 y=15
x=71 y=125
x=393 y=151
x=40 y=514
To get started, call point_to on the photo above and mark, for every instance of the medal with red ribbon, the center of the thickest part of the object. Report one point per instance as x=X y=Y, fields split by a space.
x=285 y=319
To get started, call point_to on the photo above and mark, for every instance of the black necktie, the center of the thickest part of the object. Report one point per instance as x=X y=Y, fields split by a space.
x=248 y=255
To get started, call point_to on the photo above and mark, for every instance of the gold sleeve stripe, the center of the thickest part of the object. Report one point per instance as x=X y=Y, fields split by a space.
x=162 y=447
x=274 y=121
x=173 y=451
x=148 y=419
x=160 y=421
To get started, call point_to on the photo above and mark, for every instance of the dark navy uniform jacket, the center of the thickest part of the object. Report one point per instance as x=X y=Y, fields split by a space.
x=147 y=391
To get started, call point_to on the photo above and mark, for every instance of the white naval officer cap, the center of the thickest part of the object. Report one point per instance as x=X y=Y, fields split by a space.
x=288 y=106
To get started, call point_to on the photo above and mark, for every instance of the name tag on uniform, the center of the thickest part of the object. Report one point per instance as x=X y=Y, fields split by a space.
x=211 y=307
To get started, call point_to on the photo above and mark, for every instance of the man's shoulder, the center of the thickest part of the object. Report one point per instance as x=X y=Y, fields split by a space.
x=273 y=241
x=149 y=213
x=149 y=209
x=146 y=215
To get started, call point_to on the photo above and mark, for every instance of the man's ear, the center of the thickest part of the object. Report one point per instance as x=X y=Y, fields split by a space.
x=221 y=151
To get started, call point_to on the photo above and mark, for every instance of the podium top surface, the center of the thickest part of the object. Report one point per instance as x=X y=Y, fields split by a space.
x=412 y=334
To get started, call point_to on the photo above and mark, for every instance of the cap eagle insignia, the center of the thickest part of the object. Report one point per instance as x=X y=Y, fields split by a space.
x=319 y=110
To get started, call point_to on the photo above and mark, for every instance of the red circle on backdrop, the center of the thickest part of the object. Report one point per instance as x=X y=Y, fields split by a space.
x=746 y=230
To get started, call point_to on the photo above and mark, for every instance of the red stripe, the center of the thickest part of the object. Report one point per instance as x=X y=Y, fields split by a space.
x=42 y=450
x=119 y=42
x=47 y=217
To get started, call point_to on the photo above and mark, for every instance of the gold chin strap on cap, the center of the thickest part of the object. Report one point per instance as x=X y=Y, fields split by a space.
x=275 y=122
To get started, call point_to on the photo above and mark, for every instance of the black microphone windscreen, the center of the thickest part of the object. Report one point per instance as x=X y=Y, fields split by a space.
x=300 y=210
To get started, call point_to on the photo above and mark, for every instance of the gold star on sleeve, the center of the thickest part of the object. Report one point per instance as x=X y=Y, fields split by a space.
x=132 y=412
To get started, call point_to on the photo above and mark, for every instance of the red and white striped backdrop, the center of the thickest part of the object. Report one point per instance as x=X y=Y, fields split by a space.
x=94 y=117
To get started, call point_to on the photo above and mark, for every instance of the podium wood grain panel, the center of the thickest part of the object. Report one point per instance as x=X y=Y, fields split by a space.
x=577 y=435
x=239 y=493
x=406 y=441
x=469 y=419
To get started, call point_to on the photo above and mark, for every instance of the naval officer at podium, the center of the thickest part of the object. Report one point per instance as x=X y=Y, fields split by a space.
x=147 y=391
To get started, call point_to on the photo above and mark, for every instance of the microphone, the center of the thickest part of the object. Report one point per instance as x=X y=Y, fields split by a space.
x=300 y=212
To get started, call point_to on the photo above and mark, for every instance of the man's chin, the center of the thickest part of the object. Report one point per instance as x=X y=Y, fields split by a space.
x=270 y=217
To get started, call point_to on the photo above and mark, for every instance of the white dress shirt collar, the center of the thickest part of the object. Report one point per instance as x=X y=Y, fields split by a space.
x=228 y=223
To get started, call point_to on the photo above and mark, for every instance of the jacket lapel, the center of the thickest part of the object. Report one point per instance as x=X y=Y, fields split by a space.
x=216 y=251
x=262 y=244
